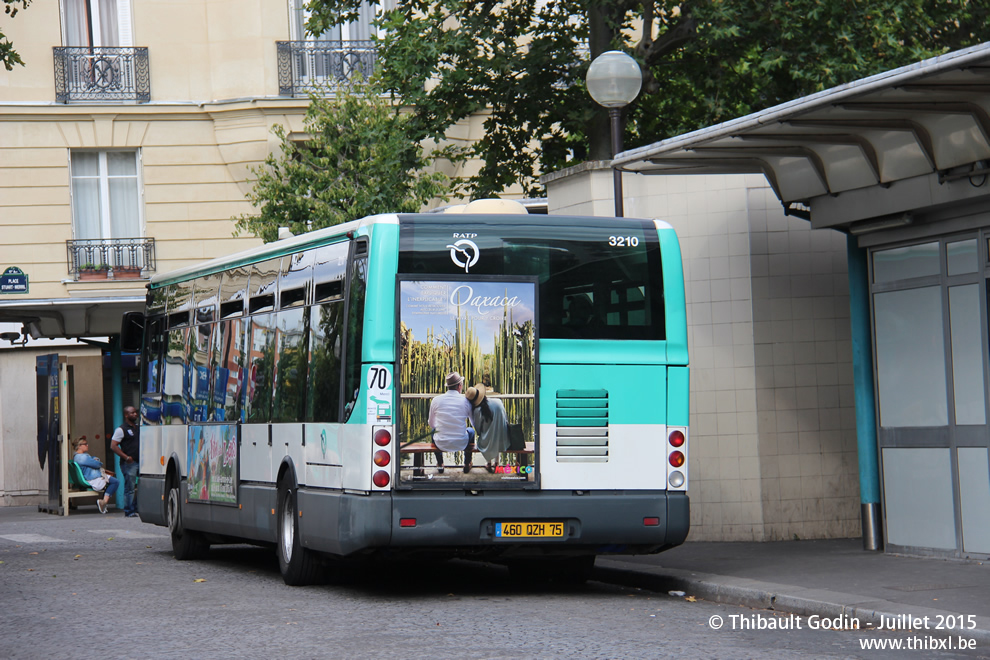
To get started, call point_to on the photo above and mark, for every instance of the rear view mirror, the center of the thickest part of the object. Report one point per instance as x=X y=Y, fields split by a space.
x=132 y=331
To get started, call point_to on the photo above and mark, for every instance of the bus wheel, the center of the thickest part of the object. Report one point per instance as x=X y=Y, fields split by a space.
x=299 y=566
x=555 y=570
x=186 y=544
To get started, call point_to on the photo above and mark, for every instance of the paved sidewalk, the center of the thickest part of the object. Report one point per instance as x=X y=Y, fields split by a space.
x=829 y=578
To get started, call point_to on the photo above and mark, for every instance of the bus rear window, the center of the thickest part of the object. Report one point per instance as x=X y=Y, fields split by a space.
x=599 y=279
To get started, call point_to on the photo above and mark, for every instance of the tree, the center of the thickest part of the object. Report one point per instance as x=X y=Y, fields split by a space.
x=358 y=158
x=9 y=56
x=704 y=62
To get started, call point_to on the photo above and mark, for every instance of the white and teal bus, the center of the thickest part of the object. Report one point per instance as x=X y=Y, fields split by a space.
x=286 y=393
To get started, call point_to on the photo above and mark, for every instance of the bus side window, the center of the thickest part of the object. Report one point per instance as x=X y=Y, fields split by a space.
x=357 y=285
x=291 y=364
x=259 y=382
x=198 y=362
x=205 y=293
x=326 y=330
x=174 y=377
x=264 y=278
x=325 y=339
x=233 y=292
x=226 y=363
x=179 y=298
x=156 y=339
x=295 y=278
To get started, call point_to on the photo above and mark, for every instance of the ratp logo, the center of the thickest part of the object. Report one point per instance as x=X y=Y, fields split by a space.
x=464 y=253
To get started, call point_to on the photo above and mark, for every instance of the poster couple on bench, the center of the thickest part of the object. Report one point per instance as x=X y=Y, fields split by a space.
x=485 y=331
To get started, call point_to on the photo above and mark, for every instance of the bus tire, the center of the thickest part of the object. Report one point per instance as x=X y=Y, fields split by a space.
x=299 y=566
x=186 y=544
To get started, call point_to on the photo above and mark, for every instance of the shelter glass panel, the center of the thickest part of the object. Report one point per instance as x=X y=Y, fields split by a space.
x=967 y=354
x=910 y=357
x=905 y=262
x=961 y=257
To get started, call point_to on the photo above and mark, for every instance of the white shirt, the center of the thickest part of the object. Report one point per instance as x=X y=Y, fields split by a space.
x=449 y=414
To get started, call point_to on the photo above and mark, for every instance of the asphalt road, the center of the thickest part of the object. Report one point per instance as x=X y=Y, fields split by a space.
x=108 y=587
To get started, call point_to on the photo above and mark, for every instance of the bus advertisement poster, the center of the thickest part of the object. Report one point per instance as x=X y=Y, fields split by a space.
x=485 y=330
x=212 y=461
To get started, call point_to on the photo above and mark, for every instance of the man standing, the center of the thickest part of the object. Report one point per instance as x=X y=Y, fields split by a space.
x=126 y=443
x=450 y=413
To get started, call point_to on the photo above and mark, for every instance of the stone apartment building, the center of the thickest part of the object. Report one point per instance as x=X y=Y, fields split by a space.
x=126 y=142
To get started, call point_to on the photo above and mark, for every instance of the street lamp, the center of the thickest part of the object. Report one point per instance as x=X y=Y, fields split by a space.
x=614 y=80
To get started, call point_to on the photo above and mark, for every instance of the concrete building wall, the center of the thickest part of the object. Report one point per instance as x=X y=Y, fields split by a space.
x=772 y=420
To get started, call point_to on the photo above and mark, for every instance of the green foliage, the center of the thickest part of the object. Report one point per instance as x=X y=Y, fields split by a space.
x=9 y=56
x=704 y=62
x=360 y=157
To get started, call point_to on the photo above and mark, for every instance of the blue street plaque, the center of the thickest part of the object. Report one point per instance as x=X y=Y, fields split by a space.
x=13 y=280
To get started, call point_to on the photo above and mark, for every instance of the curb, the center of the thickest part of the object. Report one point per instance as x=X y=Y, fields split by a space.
x=800 y=601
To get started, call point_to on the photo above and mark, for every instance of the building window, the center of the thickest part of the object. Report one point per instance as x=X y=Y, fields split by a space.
x=105 y=194
x=96 y=23
x=358 y=30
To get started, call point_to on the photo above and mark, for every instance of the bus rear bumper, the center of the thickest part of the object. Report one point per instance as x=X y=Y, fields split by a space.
x=623 y=522
x=619 y=522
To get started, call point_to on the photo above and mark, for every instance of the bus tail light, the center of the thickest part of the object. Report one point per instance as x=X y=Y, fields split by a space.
x=407 y=522
x=381 y=437
x=677 y=458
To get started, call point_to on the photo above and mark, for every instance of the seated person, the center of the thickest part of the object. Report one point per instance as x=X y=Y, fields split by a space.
x=450 y=415
x=94 y=473
x=491 y=424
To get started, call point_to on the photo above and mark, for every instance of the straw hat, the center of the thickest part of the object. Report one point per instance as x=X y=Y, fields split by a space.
x=453 y=380
x=476 y=394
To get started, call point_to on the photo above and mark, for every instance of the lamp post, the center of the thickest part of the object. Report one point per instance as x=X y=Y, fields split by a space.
x=614 y=80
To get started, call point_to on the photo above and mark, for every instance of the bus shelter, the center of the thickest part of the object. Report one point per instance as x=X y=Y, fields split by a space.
x=70 y=377
x=899 y=162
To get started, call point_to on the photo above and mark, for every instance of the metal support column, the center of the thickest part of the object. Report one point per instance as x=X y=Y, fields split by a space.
x=866 y=414
x=117 y=405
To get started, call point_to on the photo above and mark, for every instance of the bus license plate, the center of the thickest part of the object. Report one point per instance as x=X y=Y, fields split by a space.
x=529 y=530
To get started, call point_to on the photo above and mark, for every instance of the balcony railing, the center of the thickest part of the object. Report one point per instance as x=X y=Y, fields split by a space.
x=102 y=74
x=111 y=258
x=309 y=66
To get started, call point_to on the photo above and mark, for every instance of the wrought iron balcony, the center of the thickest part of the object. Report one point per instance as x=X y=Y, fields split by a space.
x=111 y=258
x=102 y=74
x=312 y=66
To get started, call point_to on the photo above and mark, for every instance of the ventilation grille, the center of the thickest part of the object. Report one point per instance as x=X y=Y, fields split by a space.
x=582 y=426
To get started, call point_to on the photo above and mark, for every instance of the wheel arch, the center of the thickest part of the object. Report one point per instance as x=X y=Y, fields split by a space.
x=287 y=470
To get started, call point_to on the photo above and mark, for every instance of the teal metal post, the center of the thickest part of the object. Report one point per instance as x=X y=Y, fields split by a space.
x=117 y=405
x=866 y=413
